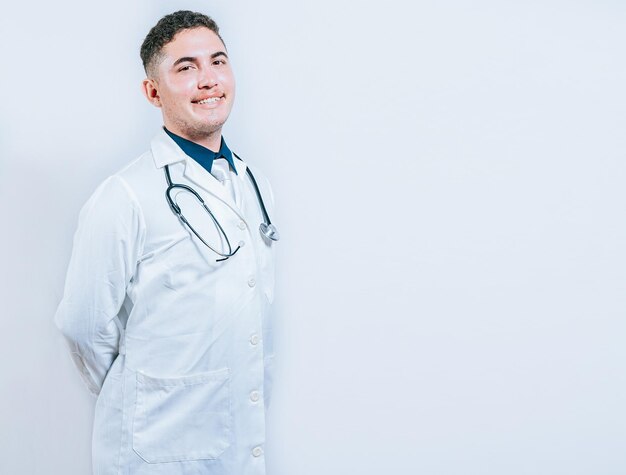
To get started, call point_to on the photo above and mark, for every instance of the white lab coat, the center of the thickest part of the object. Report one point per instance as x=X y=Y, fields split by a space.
x=177 y=346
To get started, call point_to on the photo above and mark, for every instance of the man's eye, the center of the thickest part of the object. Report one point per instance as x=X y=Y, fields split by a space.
x=185 y=68
x=219 y=61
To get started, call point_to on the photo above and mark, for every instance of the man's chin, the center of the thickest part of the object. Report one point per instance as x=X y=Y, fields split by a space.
x=206 y=128
x=211 y=124
x=200 y=134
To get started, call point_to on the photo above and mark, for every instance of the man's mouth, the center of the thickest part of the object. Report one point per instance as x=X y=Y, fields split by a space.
x=208 y=100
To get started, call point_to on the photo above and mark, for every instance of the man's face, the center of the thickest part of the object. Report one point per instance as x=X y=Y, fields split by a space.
x=194 y=84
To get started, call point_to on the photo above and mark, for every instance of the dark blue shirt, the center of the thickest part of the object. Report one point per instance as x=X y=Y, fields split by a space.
x=201 y=154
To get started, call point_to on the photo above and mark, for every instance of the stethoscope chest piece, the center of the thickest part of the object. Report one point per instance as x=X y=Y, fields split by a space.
x=269 y=231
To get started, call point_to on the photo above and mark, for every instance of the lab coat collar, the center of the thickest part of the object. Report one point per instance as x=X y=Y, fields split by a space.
x=201 y=154
x=165 y=152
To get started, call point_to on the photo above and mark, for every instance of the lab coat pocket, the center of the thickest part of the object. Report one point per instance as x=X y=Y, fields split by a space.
x=182 y=419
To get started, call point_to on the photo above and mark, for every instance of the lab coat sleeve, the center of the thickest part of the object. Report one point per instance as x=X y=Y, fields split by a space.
x=107 y=245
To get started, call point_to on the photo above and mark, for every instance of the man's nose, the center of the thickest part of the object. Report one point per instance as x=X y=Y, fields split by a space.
x=207 y=78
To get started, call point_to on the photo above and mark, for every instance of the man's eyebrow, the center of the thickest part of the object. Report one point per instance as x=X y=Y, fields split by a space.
x=184 y=59
x=193 y=59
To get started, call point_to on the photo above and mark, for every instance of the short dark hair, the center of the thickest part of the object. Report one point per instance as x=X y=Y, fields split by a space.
x=165 y=30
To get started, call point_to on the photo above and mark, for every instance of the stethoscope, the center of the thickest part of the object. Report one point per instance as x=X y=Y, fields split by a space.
x=267 y=229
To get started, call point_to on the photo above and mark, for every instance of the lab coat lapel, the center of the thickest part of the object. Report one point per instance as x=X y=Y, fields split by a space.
x=249 y=205
x=166 y=152
x=203 y=179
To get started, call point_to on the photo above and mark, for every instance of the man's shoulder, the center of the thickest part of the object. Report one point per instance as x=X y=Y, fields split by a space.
x=125 y=184
x=137 y=167
x=140 y=174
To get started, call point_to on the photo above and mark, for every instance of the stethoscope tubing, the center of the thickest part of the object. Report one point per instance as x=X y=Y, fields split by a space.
x=267 y=224
x=266 y=216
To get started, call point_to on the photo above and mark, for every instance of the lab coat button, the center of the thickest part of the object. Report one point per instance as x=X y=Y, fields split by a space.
x=251 y=282
x=242 y=243
x=242 y=225
x=257 y=451
x=254 y=340
x=254 y=396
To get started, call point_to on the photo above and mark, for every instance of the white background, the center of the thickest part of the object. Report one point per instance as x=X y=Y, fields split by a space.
x=450 y=188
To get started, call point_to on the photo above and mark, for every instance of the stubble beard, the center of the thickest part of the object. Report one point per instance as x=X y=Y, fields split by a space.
x=196 y=131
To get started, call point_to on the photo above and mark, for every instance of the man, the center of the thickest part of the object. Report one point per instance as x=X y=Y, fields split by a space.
x=166 y=314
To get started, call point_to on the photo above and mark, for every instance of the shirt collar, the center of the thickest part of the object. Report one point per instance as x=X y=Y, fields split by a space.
x=201 y=154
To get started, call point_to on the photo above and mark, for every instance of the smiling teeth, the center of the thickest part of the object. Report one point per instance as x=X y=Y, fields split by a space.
x=209 y=100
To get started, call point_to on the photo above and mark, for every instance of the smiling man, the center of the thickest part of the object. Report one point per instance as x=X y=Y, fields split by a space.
x=168 y=291
x=191 y=80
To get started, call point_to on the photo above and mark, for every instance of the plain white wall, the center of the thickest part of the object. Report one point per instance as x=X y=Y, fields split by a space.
x=450 y=187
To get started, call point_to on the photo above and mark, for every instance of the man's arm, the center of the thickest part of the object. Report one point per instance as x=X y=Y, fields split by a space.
x=107 y=245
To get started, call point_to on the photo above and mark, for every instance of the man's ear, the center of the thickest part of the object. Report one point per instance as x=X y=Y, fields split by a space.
x=149 y=87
